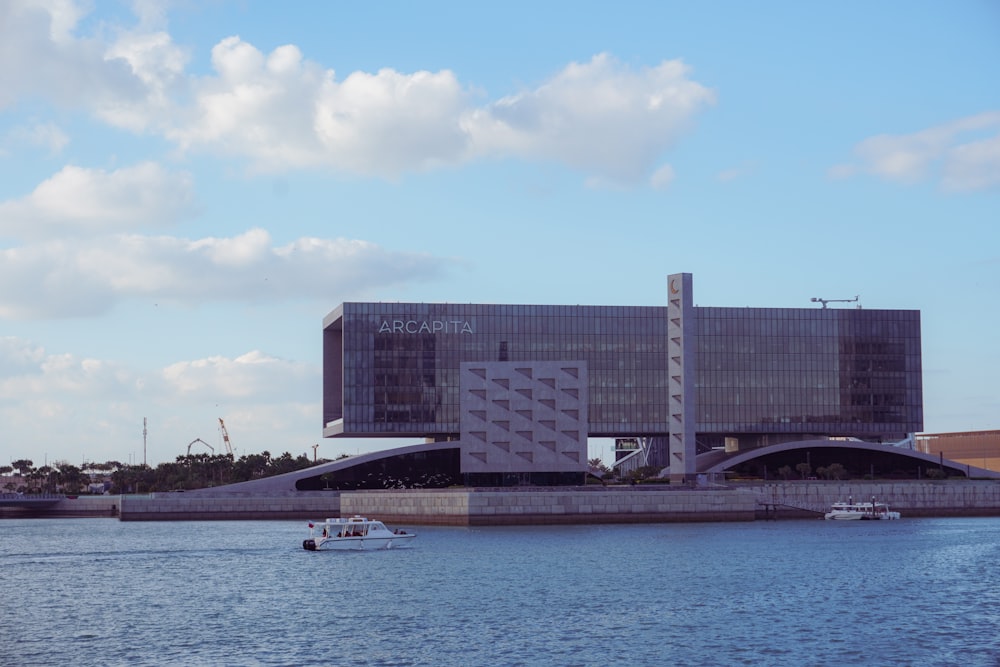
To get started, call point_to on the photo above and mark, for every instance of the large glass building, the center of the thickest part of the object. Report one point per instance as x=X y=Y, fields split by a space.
x=686 y=378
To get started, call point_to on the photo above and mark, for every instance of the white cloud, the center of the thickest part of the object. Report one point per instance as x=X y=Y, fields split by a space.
x=44 y=135
x=67 y=69
x=961 y=155
x=32 y=374
x=17 y=354
x=88 y=276
x=600 y=117
x=98 y=405
x=283 y=112
x=280 y=111
x=973 y=166
x=662 y=177
x=390 y=122
x=158 y=64
x=252 y=375
x=78 y=201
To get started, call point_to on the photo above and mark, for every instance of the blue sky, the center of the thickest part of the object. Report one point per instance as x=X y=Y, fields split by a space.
x=188 y=188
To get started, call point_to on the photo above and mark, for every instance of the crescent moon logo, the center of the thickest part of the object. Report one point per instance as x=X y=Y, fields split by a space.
x=673 y=287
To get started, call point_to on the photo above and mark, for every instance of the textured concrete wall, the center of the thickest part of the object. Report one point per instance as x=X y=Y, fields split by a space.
x=524 y=416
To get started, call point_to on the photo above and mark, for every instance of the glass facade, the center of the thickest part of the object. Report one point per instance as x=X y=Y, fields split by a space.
x=763 y=375
x=396 y=366
x=791 y=371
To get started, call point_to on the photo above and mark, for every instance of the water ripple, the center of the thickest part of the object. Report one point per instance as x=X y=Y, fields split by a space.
x=914 y=592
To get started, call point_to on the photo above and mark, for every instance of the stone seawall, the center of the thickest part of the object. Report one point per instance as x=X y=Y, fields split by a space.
x=498 y=507
x=70 y=506
x=551 y=505
x=457 y=507
x=197 y=507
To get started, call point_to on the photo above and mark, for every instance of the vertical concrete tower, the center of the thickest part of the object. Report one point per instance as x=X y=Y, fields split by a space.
x=681 y=370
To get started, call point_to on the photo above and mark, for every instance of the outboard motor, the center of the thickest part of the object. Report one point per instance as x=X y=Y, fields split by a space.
x=309 y=545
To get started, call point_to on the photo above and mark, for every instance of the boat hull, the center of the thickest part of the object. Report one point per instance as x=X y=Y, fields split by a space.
x=357 y=543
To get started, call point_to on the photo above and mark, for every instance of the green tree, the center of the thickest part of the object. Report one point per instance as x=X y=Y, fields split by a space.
x=804 y=469
x=836 y=471
x=785 y=472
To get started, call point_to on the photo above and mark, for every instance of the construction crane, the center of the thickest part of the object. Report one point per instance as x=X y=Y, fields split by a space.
x=196 y=441
x=225 y=437
x=816 y=299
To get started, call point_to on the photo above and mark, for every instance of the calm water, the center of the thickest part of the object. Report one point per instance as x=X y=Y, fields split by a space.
x=101 y=592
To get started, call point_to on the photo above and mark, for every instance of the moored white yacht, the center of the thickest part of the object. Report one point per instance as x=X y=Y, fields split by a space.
x=865 y=511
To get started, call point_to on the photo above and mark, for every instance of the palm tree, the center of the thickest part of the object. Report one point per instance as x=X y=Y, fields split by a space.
x=47 y=473
x=73 y=479
x=599 y=464
x=22 y=466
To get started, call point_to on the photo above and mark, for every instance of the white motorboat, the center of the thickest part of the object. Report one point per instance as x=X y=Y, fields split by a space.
x=869 y=511
x=354 y=533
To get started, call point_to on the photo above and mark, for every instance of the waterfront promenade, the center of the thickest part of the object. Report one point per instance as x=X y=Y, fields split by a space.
x=647 y=503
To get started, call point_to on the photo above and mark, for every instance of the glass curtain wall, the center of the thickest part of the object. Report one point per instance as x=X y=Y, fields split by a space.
x=401 y=361
x=844 y=372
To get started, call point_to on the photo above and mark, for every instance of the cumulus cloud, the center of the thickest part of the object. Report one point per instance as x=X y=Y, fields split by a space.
x=17 y=355
x=158 y=64
x=601 y=117
x=42 y=56
x=32 y=374
x=254 y=374
x=80 y=201
x=87 y=277
x=98 y=405
x=962 y=155
x=281 y=111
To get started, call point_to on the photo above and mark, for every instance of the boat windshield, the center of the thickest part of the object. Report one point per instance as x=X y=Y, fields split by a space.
x=353 y=530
